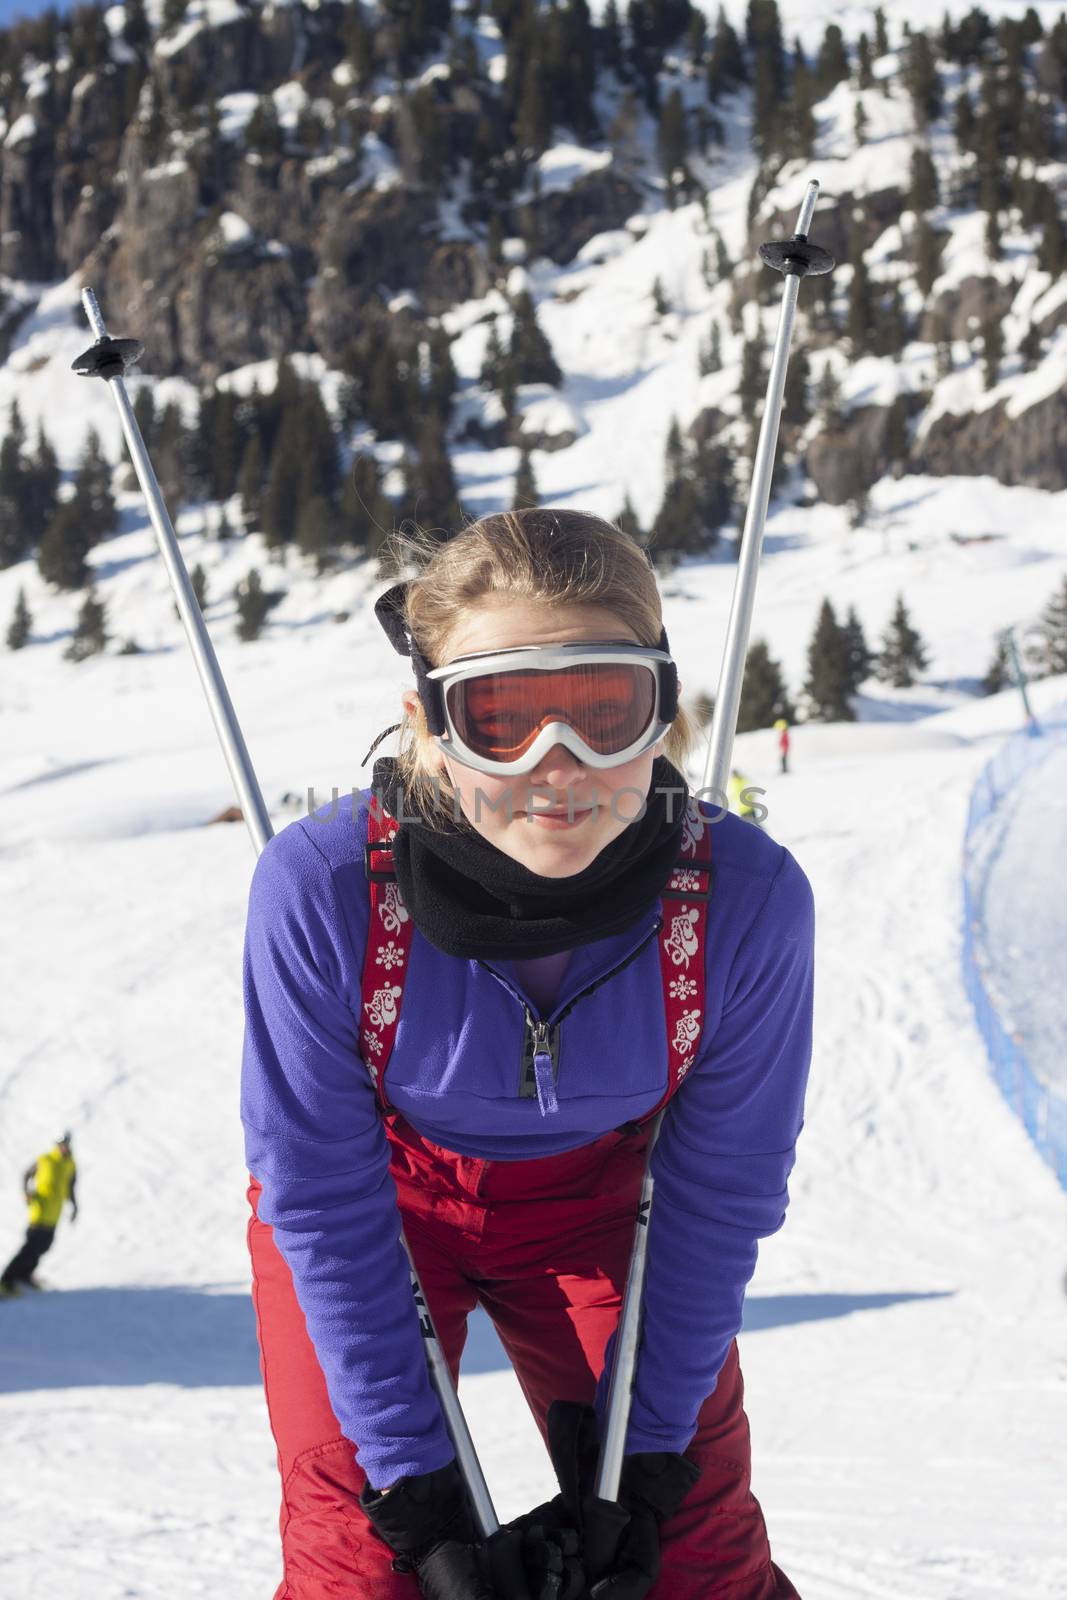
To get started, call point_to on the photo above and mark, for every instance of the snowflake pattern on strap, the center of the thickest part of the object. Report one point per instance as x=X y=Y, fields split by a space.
x=390 y=955
x=682 y=942
x=683 y=988
x=684 y=879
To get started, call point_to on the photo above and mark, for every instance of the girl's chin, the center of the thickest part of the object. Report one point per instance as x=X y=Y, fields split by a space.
x=555 y=853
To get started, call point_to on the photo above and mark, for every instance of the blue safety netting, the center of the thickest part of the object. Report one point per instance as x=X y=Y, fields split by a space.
x=1041 y=1105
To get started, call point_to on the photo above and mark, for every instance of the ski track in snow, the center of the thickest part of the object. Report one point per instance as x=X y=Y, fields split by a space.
x=1025 y=916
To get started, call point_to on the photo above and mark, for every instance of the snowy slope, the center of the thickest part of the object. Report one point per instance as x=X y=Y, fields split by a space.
x=905 y=1352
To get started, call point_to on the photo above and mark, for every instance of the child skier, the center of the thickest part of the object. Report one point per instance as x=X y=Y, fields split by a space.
x=459 y=1027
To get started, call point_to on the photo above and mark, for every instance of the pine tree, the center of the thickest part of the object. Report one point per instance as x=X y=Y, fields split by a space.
x=710 y=354
x=627 y=522
x=963 y=124
x=1054 y=633
x=252 y=606
x=525 y=492
x=135 y=27
x=92 y=489
x=860 y=125
x=660 y=304
x=530 y=354
x=763 y=29
x=282 y=497
x=860 y=309
x=1052 y=252
x=829 y=680
x=831 y=68
x=64 y=548
x=18 y=529
x=796 y=405
x=533 y=124
x=198 y=579
x=752 y=384
x=999 y=673
x=864 y=75
x=828 y=397
x=316 y=531
x=1031 y=347
x=992 y=348
x=927 y=245
x=923 y=191
x=41 y=486
x=727 y=68
x=263 y=131
x=366 y=515
x=799 y=127
x=673 y=144
x=18 y=633
x=881 y=33
x=921 y=79
x=611 y=38
x=861 y=658
x=715 y=487
x=436 y=494
x=90 y=635
x=903 y=655
x=764 y=697
x=250 y=482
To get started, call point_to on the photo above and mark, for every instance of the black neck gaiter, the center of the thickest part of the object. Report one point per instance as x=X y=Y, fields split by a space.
x=471 y=900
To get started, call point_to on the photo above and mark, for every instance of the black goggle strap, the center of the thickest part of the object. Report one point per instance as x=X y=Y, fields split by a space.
x=389 y=608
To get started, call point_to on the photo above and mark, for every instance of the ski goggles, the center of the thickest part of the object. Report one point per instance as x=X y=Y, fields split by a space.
x=502 y=711
x=505 y=710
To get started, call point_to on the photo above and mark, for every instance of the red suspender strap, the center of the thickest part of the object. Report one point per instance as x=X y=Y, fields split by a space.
x=388 y=949
x=683 y=949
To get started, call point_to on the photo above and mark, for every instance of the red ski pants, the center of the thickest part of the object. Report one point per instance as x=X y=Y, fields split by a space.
x=543 y=1245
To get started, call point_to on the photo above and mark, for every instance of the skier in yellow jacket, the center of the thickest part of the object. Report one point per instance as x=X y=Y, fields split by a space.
x=49 y=1184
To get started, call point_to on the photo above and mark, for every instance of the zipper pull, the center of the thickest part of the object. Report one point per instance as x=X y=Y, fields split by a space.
x=544 y=1070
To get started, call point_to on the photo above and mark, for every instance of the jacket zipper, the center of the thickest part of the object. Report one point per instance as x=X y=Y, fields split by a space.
x=543 y=1033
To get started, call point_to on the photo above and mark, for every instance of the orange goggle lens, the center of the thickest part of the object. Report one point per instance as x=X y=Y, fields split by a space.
x=498 y=715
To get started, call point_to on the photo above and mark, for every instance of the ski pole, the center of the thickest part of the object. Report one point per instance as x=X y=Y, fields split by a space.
x=110 y=359
x=796 y=258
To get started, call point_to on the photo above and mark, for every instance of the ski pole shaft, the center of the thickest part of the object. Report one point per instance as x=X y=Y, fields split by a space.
x=108 y=359
x=207 y=666
x=735 y=649
x=796 y=258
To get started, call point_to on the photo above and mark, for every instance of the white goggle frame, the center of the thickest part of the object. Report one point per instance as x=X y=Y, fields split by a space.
x=549 y=658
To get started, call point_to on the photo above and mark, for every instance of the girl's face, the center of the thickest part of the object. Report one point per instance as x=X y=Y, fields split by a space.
x=591 y=806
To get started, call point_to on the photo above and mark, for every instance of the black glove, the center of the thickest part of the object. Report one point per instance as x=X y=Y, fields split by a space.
x=622 y=1559
x=427 y=1521
x=620 y=1538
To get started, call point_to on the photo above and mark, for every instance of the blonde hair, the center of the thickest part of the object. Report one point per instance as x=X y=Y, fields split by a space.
x=549 y=556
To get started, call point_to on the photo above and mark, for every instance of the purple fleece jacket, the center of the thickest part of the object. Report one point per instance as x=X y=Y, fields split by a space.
x=315 y=1141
